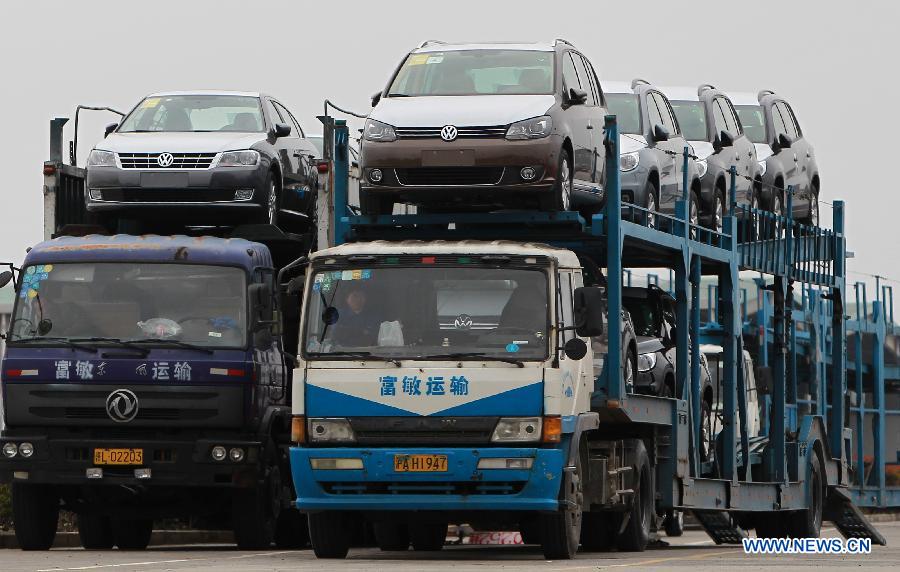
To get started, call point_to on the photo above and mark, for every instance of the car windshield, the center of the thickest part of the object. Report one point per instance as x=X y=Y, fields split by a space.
x=62 y=303
x=644 y=315
x=627 y=109
x=475 y=72
x=186 y=113
x=691 y=119
x=469 y=312
x=753 y=121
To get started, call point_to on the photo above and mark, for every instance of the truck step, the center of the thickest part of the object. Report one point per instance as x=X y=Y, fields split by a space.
x=848 y=519
x=720 y=527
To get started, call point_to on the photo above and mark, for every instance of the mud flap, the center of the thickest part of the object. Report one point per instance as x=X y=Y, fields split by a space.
x=720 y=527
x=847 y=517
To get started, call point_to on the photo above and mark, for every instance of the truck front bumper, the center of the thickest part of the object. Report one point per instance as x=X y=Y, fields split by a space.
x=462 y=487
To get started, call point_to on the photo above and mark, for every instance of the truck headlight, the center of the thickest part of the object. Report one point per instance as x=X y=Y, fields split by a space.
x=629 y=161
x=378 y=131
x=99 y=158
x=646 y=362
x=10 y=450
x=330 y=431
x=534 y=128
x=519 y=429
x=246 y=158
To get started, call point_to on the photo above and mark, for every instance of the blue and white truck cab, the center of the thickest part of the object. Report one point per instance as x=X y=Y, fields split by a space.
x=144 y=378
x=442 y=381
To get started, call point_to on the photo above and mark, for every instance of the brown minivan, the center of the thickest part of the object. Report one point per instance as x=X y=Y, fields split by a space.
x=480 y=126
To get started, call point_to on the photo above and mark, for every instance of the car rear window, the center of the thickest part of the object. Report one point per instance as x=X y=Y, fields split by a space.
x=627 y=109
x=691 y=118
x=474 y=72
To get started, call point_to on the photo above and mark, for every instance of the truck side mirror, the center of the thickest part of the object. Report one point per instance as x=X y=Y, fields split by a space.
x=590 y=307
x=5 y=277
x=109 y=129
x=575 y=349
x=260 y=305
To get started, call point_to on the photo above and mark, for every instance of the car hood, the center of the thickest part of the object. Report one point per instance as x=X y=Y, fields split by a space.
x=648 y=344
x=460 y=110
x=630 y=143
x=702 y=149
x=178 y=142
x=763 y=151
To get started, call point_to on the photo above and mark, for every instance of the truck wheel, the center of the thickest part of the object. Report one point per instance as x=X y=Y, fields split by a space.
x=35 y=515
x=291 y=530
x=674 y=522
x=808 y=523
x=328 y=534
x=95 y=532
x=392 y=536
x=253 y=520
x=561 y=530
x=598 y=531
x=530 y=530
x=373 y=203
x=770 y=525
x=132 y=534
x=428 y=536
x=636 y=534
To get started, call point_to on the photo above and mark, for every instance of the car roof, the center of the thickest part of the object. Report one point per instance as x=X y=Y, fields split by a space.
x=680 y=93
x=438 y=46
x=742 y=98
x=616 y=87
x=207 y=92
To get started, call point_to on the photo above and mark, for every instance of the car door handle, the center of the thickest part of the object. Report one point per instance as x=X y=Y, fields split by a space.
x=589 y=126
x=808 y=155
x=795 y=157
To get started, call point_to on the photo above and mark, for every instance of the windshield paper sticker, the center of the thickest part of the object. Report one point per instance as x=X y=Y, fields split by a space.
x=31 y=281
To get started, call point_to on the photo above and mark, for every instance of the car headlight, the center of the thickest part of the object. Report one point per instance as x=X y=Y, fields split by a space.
x=518 y=429
x=99 y=158
x=762 y=168
x=629 y=161
x=247 y=158
x=534 y=128
x=702 y=167
x=646 y=362
x=378 y=131
x=330 y=431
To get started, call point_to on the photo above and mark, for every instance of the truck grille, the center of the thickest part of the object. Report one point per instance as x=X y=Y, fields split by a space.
x=424 y=431
x=179 y=160
x=474 y=132
x=450 y=176
x=156 y=414
x=419 y=488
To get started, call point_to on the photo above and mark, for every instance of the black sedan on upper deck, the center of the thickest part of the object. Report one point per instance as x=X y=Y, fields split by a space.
x=207 y=158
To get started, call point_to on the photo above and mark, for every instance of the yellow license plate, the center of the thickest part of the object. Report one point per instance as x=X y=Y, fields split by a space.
x=420 y=463
x=118 y=456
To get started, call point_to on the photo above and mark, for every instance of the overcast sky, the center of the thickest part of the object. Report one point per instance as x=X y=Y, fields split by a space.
x=835 y=62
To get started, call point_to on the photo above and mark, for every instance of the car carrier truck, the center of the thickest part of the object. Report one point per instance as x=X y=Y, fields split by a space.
x=467 y=368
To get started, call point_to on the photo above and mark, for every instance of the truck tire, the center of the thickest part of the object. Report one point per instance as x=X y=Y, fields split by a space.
x=375 y=203
x=770 y=525
x=392 y=536
x=35 y=515
x=598 y=531
x=252 y=519
x=636 y=534
x=95 y=532
x=674 y=522
x=530 y=530
x=428 y=536
x=291 y=530
x=561 y=530
x=132 y=534
x=808 y=523
x=328 y=534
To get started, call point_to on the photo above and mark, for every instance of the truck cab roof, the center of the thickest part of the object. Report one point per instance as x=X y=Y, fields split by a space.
x=151 y=248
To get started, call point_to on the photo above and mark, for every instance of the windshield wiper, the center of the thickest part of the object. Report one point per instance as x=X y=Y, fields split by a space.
x=398 y=95
x=119 y=342
x=56 y=339
x=360 y=354
x=481 y=355
x=175 y=343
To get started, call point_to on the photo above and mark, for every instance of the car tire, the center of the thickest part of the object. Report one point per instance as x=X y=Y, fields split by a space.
x=35 y=511
x=636 y=534
x=392 y=536
x=328 y=534
x=706 y=436
x=717 y=222
x=95 y=532
x=374 y=203
x=252 y=519
x=560 y=198
x=693 y=215
x=428 y=536
x=271 y=205
x=651 y=203
x=291 y=530
x=629 y=369
x=132 y=534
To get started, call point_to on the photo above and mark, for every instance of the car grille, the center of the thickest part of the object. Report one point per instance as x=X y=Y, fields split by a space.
x=179 y=160
x=450 y=176
x=479 y=132
x=418 y=488
x=165 y=195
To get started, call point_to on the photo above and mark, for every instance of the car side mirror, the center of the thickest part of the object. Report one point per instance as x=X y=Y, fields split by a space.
x=672 y=339
x=281 y=130
x=5 y=277
x=575 y=349
x=784 y=141
x=590 y=307
x=660 y=133
x=726 y=139
x=376 y=98
x=577 y=96
x=109 y=129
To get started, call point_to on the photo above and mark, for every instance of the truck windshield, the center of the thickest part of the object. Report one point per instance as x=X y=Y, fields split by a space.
x=753 y=121
x=185 y=113
x=691 y=119
x=60 y=304
x=475 y=72
x=426 y=312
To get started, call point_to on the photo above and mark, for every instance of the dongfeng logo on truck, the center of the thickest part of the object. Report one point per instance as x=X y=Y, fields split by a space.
x=122 y=405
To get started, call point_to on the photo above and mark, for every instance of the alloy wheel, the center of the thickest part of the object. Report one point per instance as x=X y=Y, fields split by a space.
x=720 y=215
x=273 y=203
x=566 y=186
x=651 y=206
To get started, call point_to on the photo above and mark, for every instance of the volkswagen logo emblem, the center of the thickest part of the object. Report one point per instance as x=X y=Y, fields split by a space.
x=122 y=405
x=463 y=322
x=449 y=132
x=165 y=159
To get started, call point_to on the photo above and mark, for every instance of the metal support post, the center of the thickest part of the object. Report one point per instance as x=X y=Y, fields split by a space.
x=615 y=383
x=341 y=181
x=777 y=457
x=839 y=341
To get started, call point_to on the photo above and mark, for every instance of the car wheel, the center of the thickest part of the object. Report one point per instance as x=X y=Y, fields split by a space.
x=706 y=436
x=652 y=205
x=752 y=221
x=718 y=212
x=694 y=213
x=629 y=373
x=561 y=197
x=373 y=203
x=813 y=218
